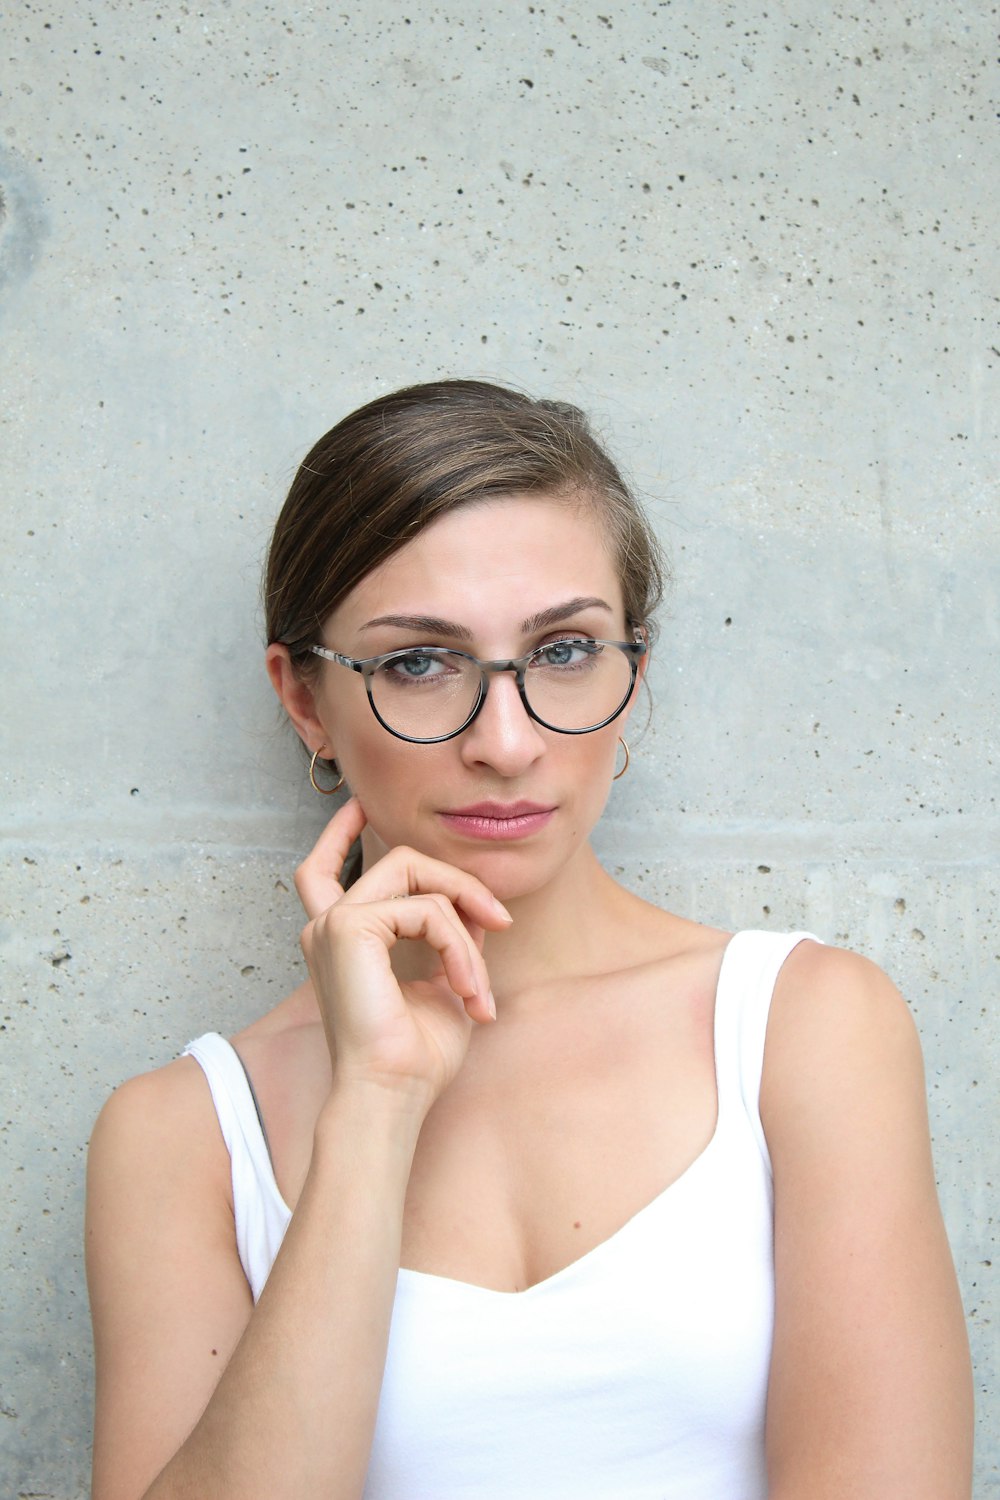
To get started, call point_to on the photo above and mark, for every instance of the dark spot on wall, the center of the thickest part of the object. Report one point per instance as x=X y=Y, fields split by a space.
x=23 y=220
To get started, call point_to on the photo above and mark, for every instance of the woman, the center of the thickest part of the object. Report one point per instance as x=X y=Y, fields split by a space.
x=516 y=1112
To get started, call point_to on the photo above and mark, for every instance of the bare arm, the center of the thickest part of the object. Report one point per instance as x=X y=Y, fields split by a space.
x=293 y=1411
x=870 y=1395
x=199 y=1394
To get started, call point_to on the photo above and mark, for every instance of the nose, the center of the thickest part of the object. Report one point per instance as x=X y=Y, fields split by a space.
x=503 y=735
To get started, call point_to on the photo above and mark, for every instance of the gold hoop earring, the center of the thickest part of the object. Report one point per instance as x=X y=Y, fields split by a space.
x=324 y=791
x=619 y=774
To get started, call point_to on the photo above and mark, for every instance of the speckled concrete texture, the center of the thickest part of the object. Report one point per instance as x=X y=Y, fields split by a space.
x=759 y=246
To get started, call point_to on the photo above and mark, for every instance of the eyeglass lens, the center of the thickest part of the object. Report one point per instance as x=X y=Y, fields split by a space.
x=570 y=685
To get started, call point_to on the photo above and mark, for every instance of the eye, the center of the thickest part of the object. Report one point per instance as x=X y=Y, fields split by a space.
x=574 y=653
x=416 y=666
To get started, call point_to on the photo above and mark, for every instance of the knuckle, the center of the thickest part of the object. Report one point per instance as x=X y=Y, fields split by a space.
x=334 y=918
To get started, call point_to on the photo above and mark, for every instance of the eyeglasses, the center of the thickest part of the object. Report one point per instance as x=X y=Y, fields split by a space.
x=427 y=694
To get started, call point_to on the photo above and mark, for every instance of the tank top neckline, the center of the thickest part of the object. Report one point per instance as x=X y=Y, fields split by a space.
x=635 y=1221
x=727 y=1095
x=580 y=1264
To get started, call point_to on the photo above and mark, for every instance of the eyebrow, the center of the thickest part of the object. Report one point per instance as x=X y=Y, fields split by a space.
x=432 y=625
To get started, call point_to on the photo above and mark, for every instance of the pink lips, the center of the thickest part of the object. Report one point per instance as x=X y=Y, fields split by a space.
x=498 y=820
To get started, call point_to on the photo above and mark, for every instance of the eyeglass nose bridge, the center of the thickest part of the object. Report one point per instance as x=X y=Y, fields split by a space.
x=487 y=669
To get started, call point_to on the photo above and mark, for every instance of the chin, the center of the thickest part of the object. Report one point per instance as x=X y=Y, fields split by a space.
x=513 y=871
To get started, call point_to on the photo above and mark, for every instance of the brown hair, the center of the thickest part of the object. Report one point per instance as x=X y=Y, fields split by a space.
x=390 y=468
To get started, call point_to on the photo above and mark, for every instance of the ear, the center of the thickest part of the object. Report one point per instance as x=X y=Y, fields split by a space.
x=640 y=672
x=643 y=660
x=298 y=700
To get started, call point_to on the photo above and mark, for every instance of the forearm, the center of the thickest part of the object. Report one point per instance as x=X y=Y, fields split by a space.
x=294 y=1411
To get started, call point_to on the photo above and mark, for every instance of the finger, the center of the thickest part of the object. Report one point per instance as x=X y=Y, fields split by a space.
x=431 y=920
x=475 y=931
x=380 y=925
x=317 y=879
x=419 y=918
x=475 y=936
x=404 y=871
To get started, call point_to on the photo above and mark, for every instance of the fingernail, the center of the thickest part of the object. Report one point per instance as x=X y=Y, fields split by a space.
x=491 y=1004
x=502 y=910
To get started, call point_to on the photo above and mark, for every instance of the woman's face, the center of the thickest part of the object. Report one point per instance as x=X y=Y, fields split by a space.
x=483 y=573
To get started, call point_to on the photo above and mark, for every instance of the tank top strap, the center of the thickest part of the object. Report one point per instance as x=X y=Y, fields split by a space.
x=260 y=1212
x=750 y=968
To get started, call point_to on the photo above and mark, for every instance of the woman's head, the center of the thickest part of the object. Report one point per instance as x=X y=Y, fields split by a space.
x=464 y=518
x=394 y=466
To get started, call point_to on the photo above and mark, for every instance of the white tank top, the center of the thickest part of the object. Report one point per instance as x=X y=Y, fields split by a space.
x=639 y=1371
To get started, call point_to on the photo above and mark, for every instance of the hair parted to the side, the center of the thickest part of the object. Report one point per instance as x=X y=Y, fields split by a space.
x=392 y=467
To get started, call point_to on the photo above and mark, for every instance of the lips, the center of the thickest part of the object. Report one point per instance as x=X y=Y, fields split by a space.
x=498 y=820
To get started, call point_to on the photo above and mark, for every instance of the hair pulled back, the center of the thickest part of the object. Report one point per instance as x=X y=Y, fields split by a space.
x=388 y=470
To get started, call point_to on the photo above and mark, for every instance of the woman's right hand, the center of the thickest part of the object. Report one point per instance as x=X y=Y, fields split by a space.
x=409 y=1036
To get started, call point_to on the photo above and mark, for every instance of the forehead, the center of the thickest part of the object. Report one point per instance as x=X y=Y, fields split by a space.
x=492 y=561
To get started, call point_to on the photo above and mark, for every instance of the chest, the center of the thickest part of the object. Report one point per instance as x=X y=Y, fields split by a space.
x=566 y=1120
x=556 y=1133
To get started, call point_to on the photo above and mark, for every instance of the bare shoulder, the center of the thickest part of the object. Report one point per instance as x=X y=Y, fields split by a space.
x=842 y=1097
x=159 y=1114
x=160 y=1130
x=169 y=1110
x=157 y=1139
x=839 y=1033
x=816 y=979
x=156 y=1157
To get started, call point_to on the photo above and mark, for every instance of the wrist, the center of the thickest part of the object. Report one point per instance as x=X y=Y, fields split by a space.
x=372 y=1114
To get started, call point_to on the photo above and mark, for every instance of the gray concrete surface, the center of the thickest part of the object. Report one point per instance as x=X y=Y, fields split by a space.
x=759 y=245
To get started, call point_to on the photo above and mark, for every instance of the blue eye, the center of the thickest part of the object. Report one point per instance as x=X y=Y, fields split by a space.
x=566 y=654
x=417 y=666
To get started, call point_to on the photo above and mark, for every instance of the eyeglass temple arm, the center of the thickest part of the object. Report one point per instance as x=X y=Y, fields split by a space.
x=344 y=661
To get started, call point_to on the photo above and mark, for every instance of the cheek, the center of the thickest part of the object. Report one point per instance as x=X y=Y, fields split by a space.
x=390 y=779
x=359 y=741
x=605 y=750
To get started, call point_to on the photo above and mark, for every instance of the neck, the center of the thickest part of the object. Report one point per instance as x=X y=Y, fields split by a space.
x=570 y=926
x=563 y=929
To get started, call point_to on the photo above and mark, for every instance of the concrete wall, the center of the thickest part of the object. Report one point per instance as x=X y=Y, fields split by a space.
x=759 y=244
